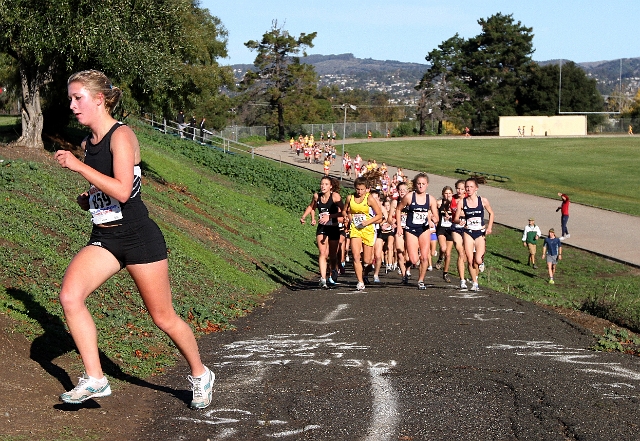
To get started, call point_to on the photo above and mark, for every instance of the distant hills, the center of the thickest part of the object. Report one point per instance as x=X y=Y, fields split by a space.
x=399 y=78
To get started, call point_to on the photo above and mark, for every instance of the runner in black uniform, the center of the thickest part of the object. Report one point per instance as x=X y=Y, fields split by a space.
x=123 y=236
x=443 y=230
x=329 y=205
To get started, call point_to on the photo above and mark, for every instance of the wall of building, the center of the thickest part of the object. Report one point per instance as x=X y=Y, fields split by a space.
x=562 y=125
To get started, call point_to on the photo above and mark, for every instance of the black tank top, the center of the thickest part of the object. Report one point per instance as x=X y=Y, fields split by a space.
x=328 y=207
x=99 y=157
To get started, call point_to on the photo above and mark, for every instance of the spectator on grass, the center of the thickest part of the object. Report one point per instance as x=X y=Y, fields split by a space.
x=180 y=121
x=202 y=129
x=552 y=251
x=564 y=218
x=192 y=127
x=529 y=240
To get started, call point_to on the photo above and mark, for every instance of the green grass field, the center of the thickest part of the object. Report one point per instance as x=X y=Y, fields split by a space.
x=233 y=240
x=598 y=171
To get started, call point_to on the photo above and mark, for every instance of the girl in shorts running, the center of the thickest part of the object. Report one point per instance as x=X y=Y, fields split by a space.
x=443 y=230
x=421 y=207
x=403 y=189
x=329 y=204
x=123 y=236
x=474 y=208
x=457 y=230
x=362 y=231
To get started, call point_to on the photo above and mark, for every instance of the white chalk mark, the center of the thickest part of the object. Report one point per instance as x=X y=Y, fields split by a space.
x=226 y=433
x=467 y=295
x=384 y=418
x=480 y=317
x=574 y=356
x=214 y=421
x=331 y=317
x=271 y=422
x=293 y=432
x=616 y=371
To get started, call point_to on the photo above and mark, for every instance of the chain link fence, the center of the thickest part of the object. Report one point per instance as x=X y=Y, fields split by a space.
x=348 y=130
x=619 y=125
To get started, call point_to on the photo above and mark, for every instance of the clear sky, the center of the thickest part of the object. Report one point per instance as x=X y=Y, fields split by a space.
x=406 y=30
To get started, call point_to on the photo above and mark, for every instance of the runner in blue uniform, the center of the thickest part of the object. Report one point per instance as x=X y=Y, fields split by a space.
x=474 y=208
x=421 y=207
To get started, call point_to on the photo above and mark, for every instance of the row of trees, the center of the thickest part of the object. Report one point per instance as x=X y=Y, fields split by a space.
x=475 y=81
x=164 y=54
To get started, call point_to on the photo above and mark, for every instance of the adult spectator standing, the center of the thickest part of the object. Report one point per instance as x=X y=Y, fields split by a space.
x=192 y=125
x=552 y=251
x=202 y=121
x=180 y=120
x=564 y=218
x=530 y=238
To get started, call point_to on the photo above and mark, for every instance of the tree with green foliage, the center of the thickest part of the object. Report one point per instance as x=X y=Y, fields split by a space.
x=477 y=79
x=538 y=94
x=442 y=89
x=279 y=77
x=496 y=63
x=150 y=48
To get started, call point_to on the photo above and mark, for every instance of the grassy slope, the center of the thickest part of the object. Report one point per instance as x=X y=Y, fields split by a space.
x=231 y=243
x=599 y=171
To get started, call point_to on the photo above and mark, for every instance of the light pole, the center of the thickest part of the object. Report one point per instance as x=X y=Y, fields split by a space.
x=344 y=131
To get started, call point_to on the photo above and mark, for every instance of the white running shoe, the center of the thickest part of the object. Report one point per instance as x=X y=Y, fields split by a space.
x=360 y=286
x=88 y=387
x=346 y=259
x=421 y=285
x=376 y=279
x=429 y=268
x=202 y=388
x=330 y=282
x=475 y=287
x=322 y=283
x=463 y=284
x=481 y=267
x=408 y=273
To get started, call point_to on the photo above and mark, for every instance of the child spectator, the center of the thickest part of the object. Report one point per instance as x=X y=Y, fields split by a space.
x=552 y=249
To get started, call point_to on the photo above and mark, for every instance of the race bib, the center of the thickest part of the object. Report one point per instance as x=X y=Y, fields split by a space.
x=445 y=223
x=420 y=217
x=103 y=209
x=474 y=223
x=403 y=220
x=324 y=216
x=359 y=218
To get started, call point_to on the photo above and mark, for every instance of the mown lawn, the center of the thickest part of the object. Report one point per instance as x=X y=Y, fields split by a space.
x=598 y=171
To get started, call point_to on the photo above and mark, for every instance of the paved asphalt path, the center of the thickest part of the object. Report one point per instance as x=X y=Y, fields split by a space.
x=590 y=228
x=397 y=363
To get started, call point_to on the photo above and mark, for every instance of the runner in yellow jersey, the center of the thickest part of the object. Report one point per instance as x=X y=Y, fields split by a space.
x=357 y=211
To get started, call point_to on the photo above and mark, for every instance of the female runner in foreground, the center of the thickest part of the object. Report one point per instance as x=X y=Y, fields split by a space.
x=329 y=205
x=362 y=233
x=123 y=236
x=457 y=230
x=444 y=231
x=422 y=207
x=475 y=230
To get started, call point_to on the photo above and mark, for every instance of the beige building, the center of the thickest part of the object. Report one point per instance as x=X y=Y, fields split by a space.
x=527 y=126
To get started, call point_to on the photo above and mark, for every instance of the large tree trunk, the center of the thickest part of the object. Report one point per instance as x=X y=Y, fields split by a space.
x=280 y=121
x=32 y=120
